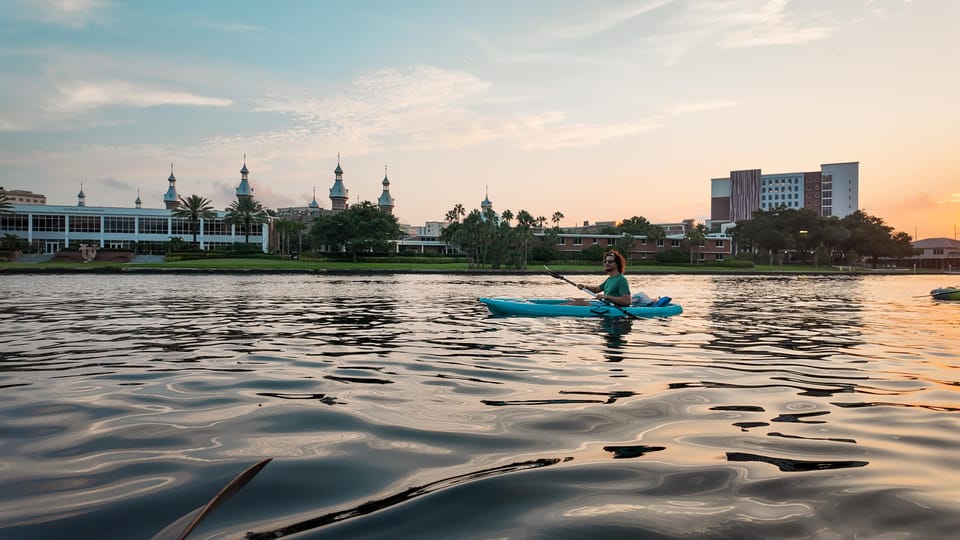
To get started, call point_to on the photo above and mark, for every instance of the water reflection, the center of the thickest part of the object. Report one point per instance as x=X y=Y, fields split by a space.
x=370 y=391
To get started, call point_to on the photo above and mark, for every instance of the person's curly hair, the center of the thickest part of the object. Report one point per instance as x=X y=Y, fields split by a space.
x=621 y=262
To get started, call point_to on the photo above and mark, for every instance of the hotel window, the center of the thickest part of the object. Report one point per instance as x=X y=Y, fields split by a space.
x=659 y=242
x=577 y=240
x=49 y=223
x=674 y=243
x=718 y=243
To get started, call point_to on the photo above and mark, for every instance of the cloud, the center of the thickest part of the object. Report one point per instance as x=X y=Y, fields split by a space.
x=772 y=24
x=68 y=13
x=602 y=20
x=83 y=95
x=421 y=107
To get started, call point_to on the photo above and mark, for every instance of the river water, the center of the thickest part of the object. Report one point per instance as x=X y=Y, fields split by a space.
x=395 y=406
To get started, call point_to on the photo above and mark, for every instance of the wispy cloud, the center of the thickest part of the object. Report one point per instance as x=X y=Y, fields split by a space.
x=85 y=95
x=68 y=13
x=602 y=20
x=772 y=24
x=425 y=107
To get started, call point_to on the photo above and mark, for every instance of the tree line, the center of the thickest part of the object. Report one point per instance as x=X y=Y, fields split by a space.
x=803 y=236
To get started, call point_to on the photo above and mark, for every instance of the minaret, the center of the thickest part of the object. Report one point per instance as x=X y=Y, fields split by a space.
x=385 y=203
x=138 y=202
x=244 y=190
x=338 y=193
x=314 y=205
x=170 y=197
x=81 y=197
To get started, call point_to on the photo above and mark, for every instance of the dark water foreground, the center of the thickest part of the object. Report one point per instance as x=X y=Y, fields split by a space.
x=396 y=407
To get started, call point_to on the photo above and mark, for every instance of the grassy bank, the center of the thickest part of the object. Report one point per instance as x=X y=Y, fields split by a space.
x=295 y=266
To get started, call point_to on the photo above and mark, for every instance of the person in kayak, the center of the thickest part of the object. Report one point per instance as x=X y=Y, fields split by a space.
x=615 y=288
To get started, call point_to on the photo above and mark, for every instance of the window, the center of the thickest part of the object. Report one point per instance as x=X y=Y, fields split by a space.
x=659 y=242
x=719 y=256
x=674 y=243
x=938 y=251
x=215 y=227
x=85 y=224
x=182 y=227
x=117 y=224
x=577 y=241
x=14 y=222
x=718 y=243
x=149 y=225
x=49 y=223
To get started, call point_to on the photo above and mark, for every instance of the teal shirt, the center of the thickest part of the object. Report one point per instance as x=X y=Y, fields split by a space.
x=616 y=286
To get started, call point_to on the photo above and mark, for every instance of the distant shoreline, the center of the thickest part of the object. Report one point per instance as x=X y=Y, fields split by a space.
x=361 y=269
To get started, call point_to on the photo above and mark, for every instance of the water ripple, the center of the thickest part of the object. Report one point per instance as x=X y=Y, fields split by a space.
x=775 y=406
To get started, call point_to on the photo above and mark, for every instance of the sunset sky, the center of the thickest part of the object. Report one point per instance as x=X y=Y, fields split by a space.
x=601 y=110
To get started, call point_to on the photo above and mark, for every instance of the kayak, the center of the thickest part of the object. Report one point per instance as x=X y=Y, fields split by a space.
x=946 y=293
x=558 y=307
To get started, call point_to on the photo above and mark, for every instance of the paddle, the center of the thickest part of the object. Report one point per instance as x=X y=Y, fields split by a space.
x=591 y=293
x=179 y=529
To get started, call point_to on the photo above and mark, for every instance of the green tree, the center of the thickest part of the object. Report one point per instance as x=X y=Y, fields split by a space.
x=593 y=253
x=362 y=227
x=640 y=226
x=287 y=229
x=499 y=239
x=555 y=218
x=625 y=244
x=456 y=213
x=247 y=213
x=467 y=236
x=524 y=233
x=12 y=242
x=194 y=208
x=869 y=236
x=694 y=239
x=176 y=244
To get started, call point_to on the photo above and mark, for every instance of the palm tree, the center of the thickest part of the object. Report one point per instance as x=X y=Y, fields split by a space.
x=246 y=212
x=557 y=216
x=456 y=213
x=194 y=208
x=286 y=228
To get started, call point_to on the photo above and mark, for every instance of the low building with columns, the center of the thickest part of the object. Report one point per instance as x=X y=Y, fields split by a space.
x=51 y=228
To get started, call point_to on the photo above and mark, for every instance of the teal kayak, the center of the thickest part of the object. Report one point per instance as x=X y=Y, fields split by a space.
x=946 y=293
x=558 y=307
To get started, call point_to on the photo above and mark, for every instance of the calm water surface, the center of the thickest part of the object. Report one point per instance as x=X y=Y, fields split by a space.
x=396 y=407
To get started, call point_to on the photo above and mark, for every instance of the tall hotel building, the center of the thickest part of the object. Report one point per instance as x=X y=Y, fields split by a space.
x=834 y=190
